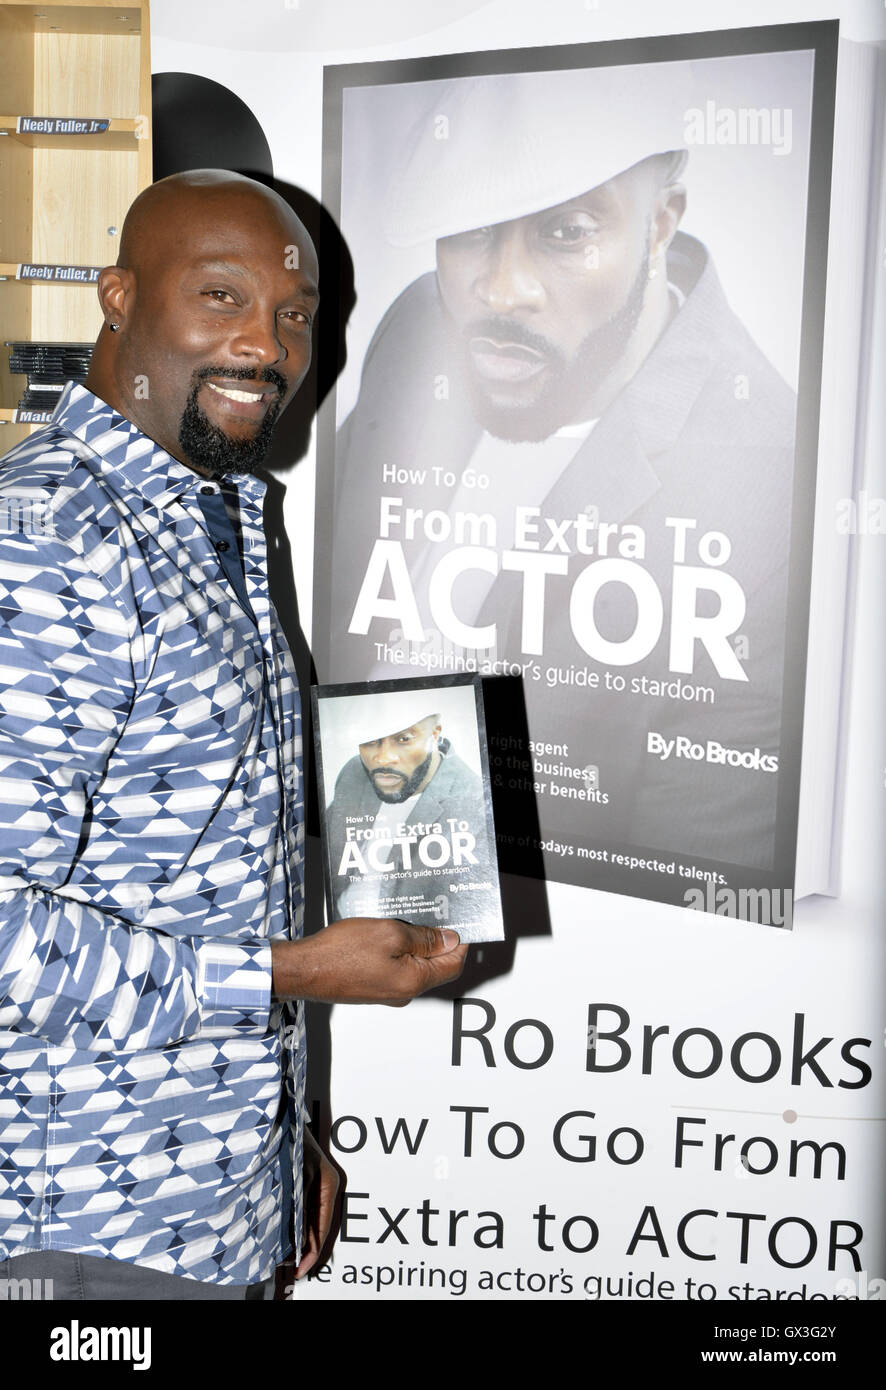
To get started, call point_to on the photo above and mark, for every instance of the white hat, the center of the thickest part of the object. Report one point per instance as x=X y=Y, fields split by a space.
x=361 y=718
x=492 y=148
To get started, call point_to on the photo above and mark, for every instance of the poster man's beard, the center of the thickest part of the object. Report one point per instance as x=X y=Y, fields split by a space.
x=570 y=384
x=208 y=447
x=410 y=784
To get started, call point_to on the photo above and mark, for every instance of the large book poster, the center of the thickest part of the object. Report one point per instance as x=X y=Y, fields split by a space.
x=573 y=447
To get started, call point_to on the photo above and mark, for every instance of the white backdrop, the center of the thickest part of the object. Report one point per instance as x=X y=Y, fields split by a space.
x=662 y=965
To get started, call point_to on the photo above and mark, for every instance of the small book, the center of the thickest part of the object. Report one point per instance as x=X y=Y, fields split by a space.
x=405 y=805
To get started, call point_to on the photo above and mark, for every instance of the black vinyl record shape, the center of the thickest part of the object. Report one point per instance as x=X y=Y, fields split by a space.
x=200 y=124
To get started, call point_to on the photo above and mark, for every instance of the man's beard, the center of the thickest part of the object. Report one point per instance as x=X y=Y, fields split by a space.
x=410 y=784
x=570 y=385
x=208 y=447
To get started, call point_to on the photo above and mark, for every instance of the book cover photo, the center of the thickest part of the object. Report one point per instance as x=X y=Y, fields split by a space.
x=405 y=806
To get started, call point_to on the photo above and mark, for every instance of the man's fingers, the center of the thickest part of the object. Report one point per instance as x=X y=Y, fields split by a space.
x=309 y=1257
x=443 y=968
x=322 y=1195
x=435 y=969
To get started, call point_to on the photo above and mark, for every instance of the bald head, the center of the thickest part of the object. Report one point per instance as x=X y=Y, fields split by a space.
x=160 y=211
x=208 y=316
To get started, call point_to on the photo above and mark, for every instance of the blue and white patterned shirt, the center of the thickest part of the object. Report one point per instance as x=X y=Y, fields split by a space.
x=150 y=846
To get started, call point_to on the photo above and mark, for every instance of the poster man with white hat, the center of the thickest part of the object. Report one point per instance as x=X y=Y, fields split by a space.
x=570 y=388
x=552 y=219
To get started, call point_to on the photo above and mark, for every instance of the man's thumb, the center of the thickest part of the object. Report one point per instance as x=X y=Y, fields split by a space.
x=447 y=939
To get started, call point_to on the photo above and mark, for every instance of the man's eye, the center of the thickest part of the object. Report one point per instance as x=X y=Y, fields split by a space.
x=297 y=317
x=221 y=296
x=574 y=231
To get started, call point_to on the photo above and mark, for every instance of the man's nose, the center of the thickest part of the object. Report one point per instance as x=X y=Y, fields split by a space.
x=509 y=280
x=257 y=337
x=385 y=753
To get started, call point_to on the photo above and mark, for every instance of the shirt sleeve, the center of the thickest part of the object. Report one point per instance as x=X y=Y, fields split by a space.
x=71 y=973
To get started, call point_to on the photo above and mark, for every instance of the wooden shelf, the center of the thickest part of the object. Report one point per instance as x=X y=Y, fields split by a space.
x=64 y=196
x=72 y=17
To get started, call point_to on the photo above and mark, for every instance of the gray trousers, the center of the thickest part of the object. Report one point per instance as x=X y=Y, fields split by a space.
x=58 y=1275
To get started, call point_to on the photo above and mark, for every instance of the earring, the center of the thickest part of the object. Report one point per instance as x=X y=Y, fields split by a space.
x=114 y=327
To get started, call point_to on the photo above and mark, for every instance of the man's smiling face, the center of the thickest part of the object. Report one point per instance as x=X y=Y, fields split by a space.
x=219 y=306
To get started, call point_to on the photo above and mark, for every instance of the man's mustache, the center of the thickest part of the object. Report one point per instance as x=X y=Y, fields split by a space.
x=511 y=331
x=267 y=374
x=387 y=772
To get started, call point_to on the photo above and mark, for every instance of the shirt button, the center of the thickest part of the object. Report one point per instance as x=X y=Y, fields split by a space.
x=222 y=545
x=208 y=491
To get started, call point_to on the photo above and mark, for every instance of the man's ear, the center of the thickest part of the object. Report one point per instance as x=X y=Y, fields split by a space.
x=670 y=207
x=116 y=292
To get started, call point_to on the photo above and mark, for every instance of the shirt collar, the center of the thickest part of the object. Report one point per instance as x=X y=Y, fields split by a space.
x=122 y=448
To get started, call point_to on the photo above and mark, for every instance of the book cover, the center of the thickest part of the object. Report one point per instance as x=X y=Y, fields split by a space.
x=573 y=450
x=405 y=806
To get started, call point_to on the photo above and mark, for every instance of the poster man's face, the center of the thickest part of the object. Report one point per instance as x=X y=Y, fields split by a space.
x=401 y=764
x=544 y=305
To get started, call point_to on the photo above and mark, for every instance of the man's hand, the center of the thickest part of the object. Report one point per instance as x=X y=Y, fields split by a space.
x=321 y=1184
x=367 y=960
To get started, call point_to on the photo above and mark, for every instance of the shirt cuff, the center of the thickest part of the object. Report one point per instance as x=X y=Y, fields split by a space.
x=233 y=987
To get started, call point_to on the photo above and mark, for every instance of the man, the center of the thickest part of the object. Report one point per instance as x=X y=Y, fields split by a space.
x=406 y=805
x=570 y=390
x=150 y=947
